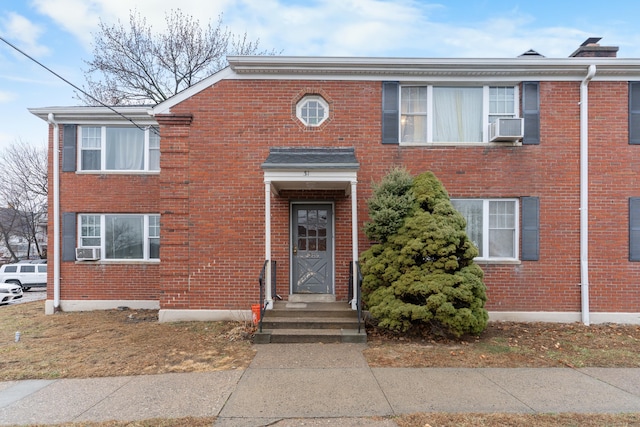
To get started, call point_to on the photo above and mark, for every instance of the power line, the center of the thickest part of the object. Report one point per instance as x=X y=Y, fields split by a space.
x=76 y=87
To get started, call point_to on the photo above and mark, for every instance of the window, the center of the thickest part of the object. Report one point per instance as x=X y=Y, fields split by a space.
x=491 y=225
x=122 y=236
x=111 y=148
x=312 y=110
x=11 y=269
x=28 y=269
x=453 y=113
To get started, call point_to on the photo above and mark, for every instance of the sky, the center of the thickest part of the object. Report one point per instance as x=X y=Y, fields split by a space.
x=59 y=34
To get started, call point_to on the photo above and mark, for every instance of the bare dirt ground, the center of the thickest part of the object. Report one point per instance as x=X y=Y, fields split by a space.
x=132 y=342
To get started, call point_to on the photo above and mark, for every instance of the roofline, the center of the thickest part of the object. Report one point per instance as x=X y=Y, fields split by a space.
x=141 y=114
x=424 y=70
x=359 y=66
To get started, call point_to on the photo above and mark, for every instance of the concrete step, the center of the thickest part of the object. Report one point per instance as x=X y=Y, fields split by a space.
x=291 y=336
x=314 y=309
x=312 y=322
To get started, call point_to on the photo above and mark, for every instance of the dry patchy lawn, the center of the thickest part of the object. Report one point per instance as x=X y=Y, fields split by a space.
x=132 y=342
x=513 y=345
x=113 y=343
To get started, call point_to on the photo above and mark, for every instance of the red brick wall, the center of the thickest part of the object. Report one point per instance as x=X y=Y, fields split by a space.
x=103 y=193
x=211 y=193
x=614 y=168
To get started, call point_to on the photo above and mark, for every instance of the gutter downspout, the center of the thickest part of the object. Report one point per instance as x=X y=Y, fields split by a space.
x=56 y=212
x=584 y=193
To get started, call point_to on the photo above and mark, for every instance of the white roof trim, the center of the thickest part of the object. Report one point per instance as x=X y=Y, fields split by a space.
x=97 y=115
x=505 y=70
x=165 y=106
x=310 y=180
x=404 y=70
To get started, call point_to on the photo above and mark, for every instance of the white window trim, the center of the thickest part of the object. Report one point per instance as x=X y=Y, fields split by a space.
x=306 y=99
x=485 y=229
x=103 y=148
x=145 y=251
x=485 y=114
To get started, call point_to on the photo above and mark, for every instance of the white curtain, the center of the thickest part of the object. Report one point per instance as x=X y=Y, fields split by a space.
x=471 y=210
x=125 y=149
x=457 y=114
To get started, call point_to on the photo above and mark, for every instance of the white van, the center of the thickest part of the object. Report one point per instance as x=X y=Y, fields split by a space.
x=27 y=275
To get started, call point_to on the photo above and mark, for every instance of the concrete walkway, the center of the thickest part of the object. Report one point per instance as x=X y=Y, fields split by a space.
x=325 y=384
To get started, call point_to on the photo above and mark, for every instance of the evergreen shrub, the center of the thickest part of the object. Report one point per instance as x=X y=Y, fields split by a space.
x=420 y=272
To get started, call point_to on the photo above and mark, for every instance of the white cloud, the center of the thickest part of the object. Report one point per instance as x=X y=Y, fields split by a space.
x=24 y=32
x=6 y=97
x=350 y=27
x=81 y=17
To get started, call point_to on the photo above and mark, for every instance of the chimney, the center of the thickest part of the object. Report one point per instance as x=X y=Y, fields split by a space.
x=592 y=49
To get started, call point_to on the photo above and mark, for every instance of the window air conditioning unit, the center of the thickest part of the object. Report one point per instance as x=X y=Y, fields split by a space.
x=506 y=130
x=87 y=254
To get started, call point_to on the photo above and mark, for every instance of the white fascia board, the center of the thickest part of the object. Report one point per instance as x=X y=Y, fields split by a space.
x=97 y=115
x=432 y=69
x=310 y=175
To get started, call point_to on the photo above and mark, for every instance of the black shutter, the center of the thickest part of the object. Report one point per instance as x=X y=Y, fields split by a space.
x=69 y=143
x=634 y=112
x=634 y=229
x=390 y=112
x=68 y=236
x=531 y=112
x=530 y=228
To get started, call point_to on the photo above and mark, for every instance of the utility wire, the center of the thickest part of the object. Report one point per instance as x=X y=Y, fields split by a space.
x=77 y=88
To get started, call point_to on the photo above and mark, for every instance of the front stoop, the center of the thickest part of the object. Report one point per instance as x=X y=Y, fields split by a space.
x=310 y=322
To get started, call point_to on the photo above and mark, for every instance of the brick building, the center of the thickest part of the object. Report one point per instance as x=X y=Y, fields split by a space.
x=272 y=158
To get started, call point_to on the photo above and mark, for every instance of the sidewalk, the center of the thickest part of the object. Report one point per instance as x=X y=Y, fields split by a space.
x=328 y=384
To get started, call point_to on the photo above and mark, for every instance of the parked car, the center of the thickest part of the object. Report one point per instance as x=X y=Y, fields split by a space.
x=9 y=292
x=25 y=274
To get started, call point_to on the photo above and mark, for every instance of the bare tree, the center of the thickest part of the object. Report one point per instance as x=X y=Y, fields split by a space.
x=24 y=192
x=135 y=65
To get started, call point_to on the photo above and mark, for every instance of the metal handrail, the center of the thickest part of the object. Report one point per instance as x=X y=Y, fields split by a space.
x=358 y=294
x=263 y=305
x=262 y=298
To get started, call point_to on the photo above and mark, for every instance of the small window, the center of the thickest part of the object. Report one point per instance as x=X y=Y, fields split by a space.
x=42 y=268
x=492 y=225
x=121 y=236
x=11 y=269
x=312 y=110
x=118 y=148
x=28 y=269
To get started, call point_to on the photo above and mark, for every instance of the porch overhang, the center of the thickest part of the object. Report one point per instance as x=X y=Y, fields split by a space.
x=311 y=169
x=318 y=168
